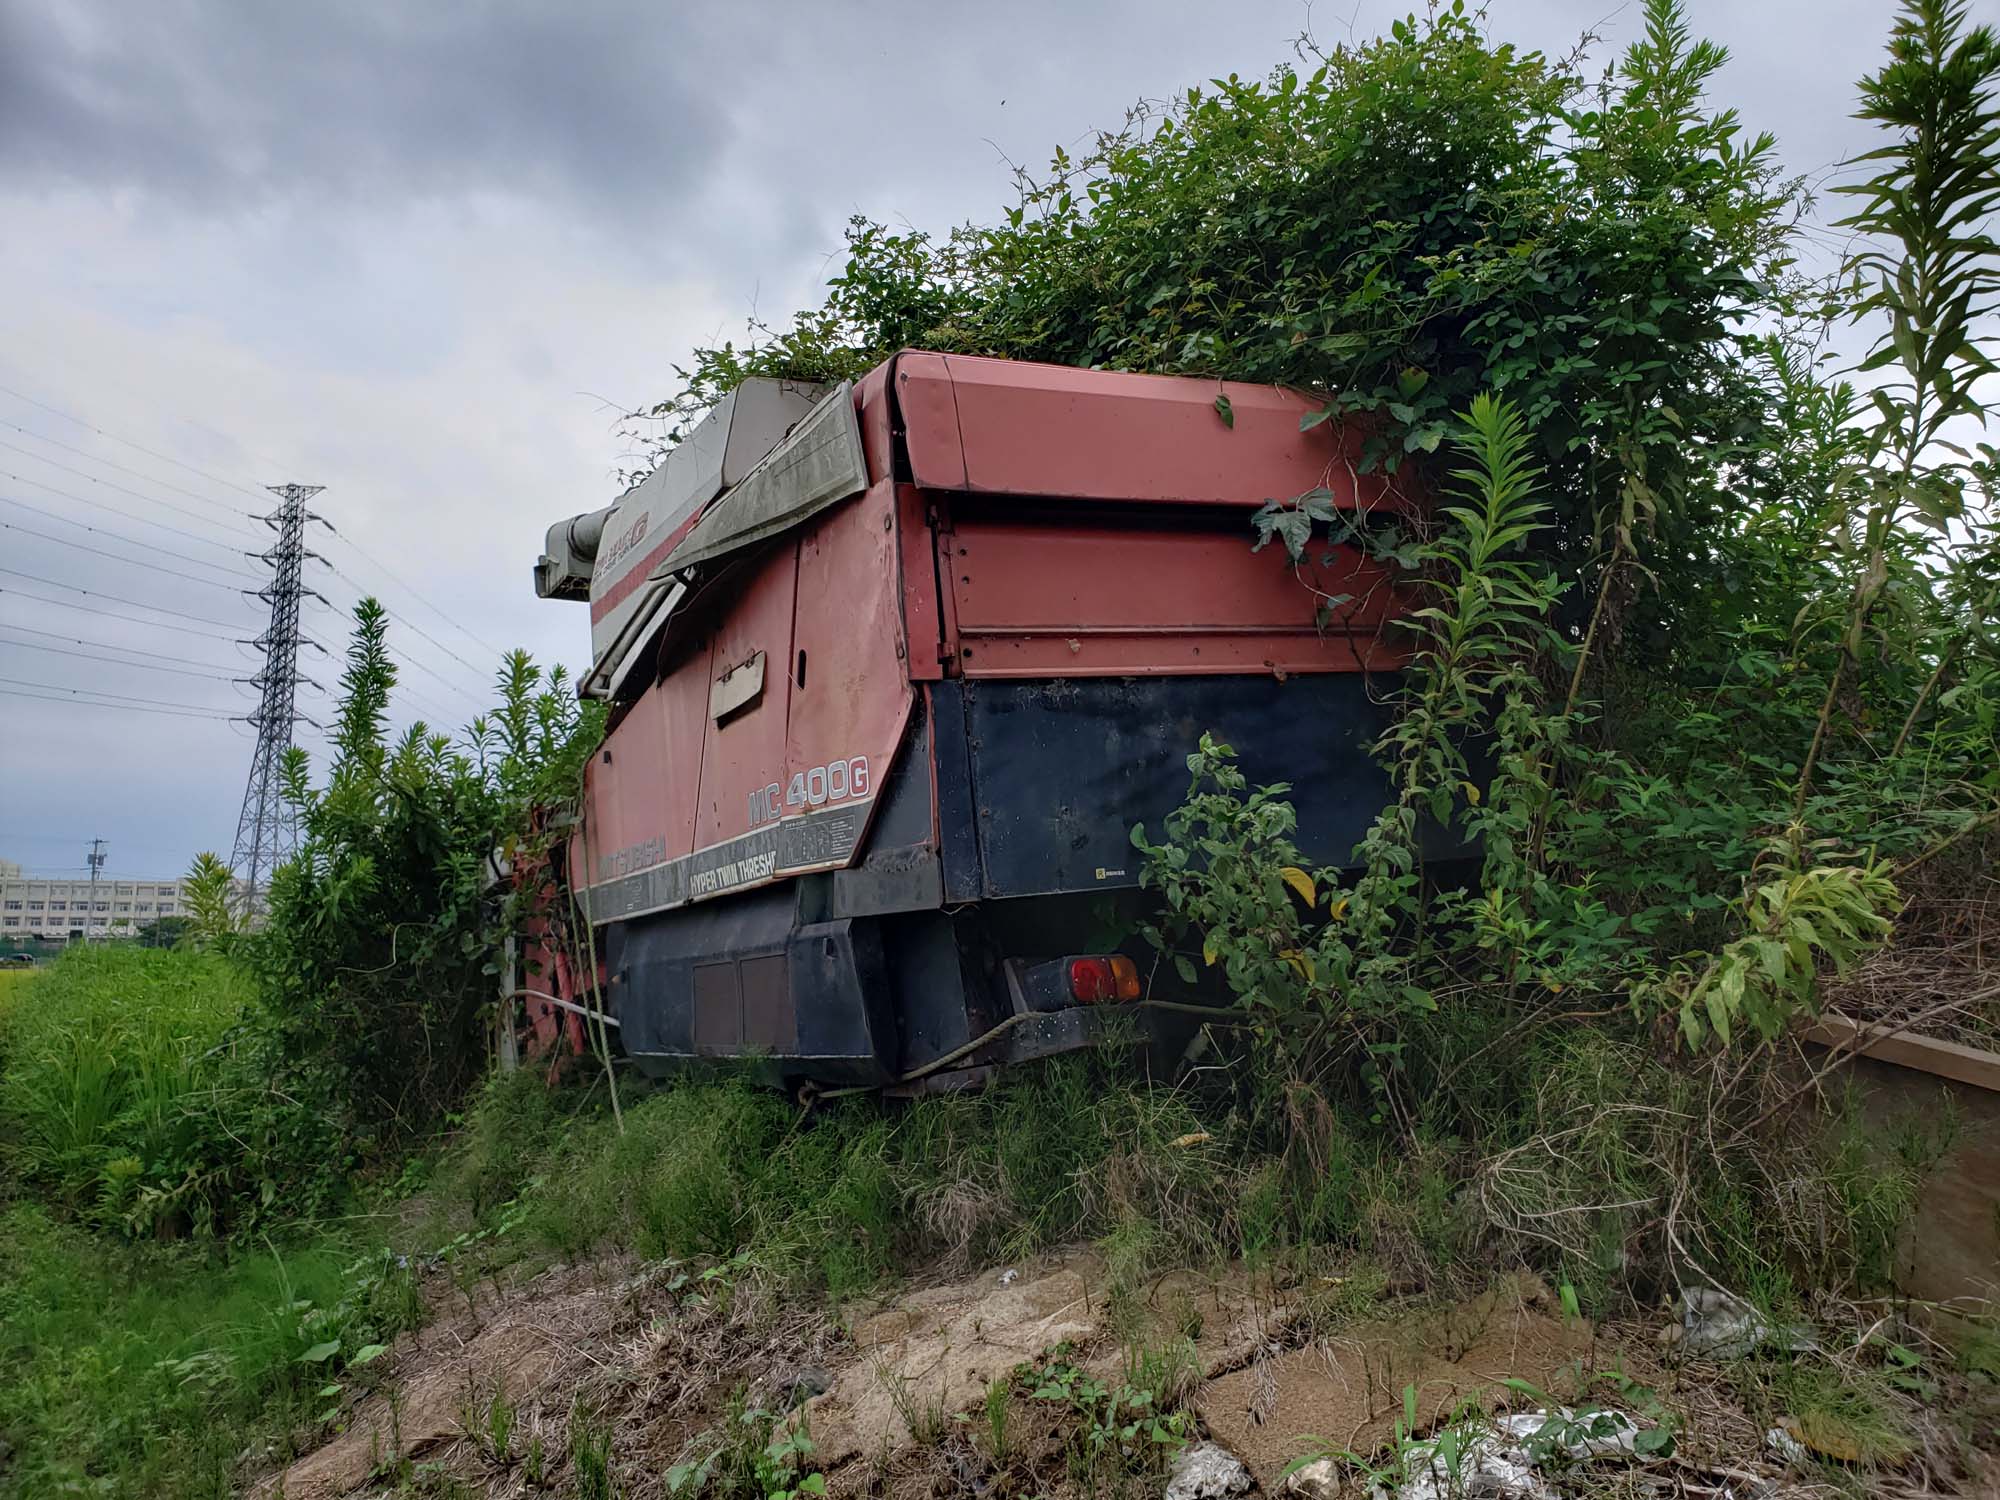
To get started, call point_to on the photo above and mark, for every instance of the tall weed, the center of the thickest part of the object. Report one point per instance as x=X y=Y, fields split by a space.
x=140 y=1370
x=134 y=1094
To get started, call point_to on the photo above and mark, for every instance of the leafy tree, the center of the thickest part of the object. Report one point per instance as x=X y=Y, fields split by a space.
x=212 y=919
x=1413 y=221
x=378 y=958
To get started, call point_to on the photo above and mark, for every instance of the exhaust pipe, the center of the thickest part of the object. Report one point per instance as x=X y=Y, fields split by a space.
x=568 y=555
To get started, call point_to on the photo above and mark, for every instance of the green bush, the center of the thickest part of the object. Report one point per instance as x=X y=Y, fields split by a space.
x=137 y=1093
x=378 y=962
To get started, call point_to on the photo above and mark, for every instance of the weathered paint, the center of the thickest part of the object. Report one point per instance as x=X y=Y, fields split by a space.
x=976 y=675
x=1006 y=427
x=909 y=583
x=1061 y=592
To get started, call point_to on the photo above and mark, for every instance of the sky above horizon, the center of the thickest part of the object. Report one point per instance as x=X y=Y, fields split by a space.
x=425 y=256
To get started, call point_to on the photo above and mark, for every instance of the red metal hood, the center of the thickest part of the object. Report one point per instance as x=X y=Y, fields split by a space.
x=1017 y=428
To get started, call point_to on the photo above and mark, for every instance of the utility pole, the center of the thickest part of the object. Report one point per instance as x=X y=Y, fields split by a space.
x=95 y=859
x=267 y=829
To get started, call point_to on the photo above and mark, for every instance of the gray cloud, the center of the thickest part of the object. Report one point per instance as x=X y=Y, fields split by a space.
x=399 y=249
x=235 y=106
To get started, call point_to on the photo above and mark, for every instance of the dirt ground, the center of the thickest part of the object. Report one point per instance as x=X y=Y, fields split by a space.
x=655 y=1363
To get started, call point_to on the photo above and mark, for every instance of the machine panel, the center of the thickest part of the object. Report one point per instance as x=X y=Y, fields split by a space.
x=746 y=749
x=850 y=686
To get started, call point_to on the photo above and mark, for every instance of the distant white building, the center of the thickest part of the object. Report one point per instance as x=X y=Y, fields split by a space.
x=61 y=910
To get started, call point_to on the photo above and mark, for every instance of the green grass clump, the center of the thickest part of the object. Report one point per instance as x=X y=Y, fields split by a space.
x=1067 y=1151
x=1597 y=1133
x=13 y=983
x=142 y=1370
x=135 y=1094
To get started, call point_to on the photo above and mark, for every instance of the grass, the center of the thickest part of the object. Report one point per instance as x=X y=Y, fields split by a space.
x=142 y=1370
x=138 y=1093
x=839 y=1202
x=109 y=1072
x=1598 y=1136
x=130 y=1104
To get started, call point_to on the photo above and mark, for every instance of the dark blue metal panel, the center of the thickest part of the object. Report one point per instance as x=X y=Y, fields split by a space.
x=1062 y=769
x=898 y=868
x=753 y=950
x=840 y=989
x=958 y=842
x=652 y=961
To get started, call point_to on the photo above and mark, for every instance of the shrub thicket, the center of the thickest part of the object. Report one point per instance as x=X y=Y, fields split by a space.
x=1705 y=665
x=378 y=963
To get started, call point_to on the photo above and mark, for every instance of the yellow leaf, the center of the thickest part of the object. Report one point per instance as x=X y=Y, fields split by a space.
x=1301 y=882
x=1192 y=1138
x=1301 y=961
x=1340 y=908
x=1471 y=793
x=1208 y=950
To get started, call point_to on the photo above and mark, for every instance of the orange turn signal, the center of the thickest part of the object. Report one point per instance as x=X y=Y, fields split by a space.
x=1125 y=974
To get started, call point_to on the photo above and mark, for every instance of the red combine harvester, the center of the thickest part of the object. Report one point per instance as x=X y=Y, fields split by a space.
x=896 y=666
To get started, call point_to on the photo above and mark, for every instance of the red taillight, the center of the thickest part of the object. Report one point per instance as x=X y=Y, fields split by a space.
x=1092 y=980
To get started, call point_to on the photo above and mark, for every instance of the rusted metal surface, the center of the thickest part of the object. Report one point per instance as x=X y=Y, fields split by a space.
x=1066 y=595
x=1007 y=427
x=818 y=464
x=1081 y=536
x=656 y=515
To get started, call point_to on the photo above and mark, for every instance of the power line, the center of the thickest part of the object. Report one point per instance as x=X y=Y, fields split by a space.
x=137 y=562
x=158 y=609
x=78 y=640
x=401 y=620
x=123 y=708
x=123 y=489
x=143 y=666
x=433 y=710
x=397 y=578
x=406 y=659
x=139 y=447
x=42 y=484
x=85 y=453
x=362 y=551
x=106 y=531
x=56 y=687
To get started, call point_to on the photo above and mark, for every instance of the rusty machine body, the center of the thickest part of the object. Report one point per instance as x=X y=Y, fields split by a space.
x=896 y=666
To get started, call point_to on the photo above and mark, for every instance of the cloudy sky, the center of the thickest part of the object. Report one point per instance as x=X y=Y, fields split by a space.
x=421 y=254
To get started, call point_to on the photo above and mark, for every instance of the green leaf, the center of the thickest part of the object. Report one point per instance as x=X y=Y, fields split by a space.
x=1225 y=411
x=319 y=1354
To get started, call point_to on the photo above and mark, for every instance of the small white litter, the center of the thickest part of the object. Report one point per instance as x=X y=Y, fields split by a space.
x=1784 y=1446
x=1497 y=1462
x=1601 y=1433
x=1207 y=1471
x=1718 y=1325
